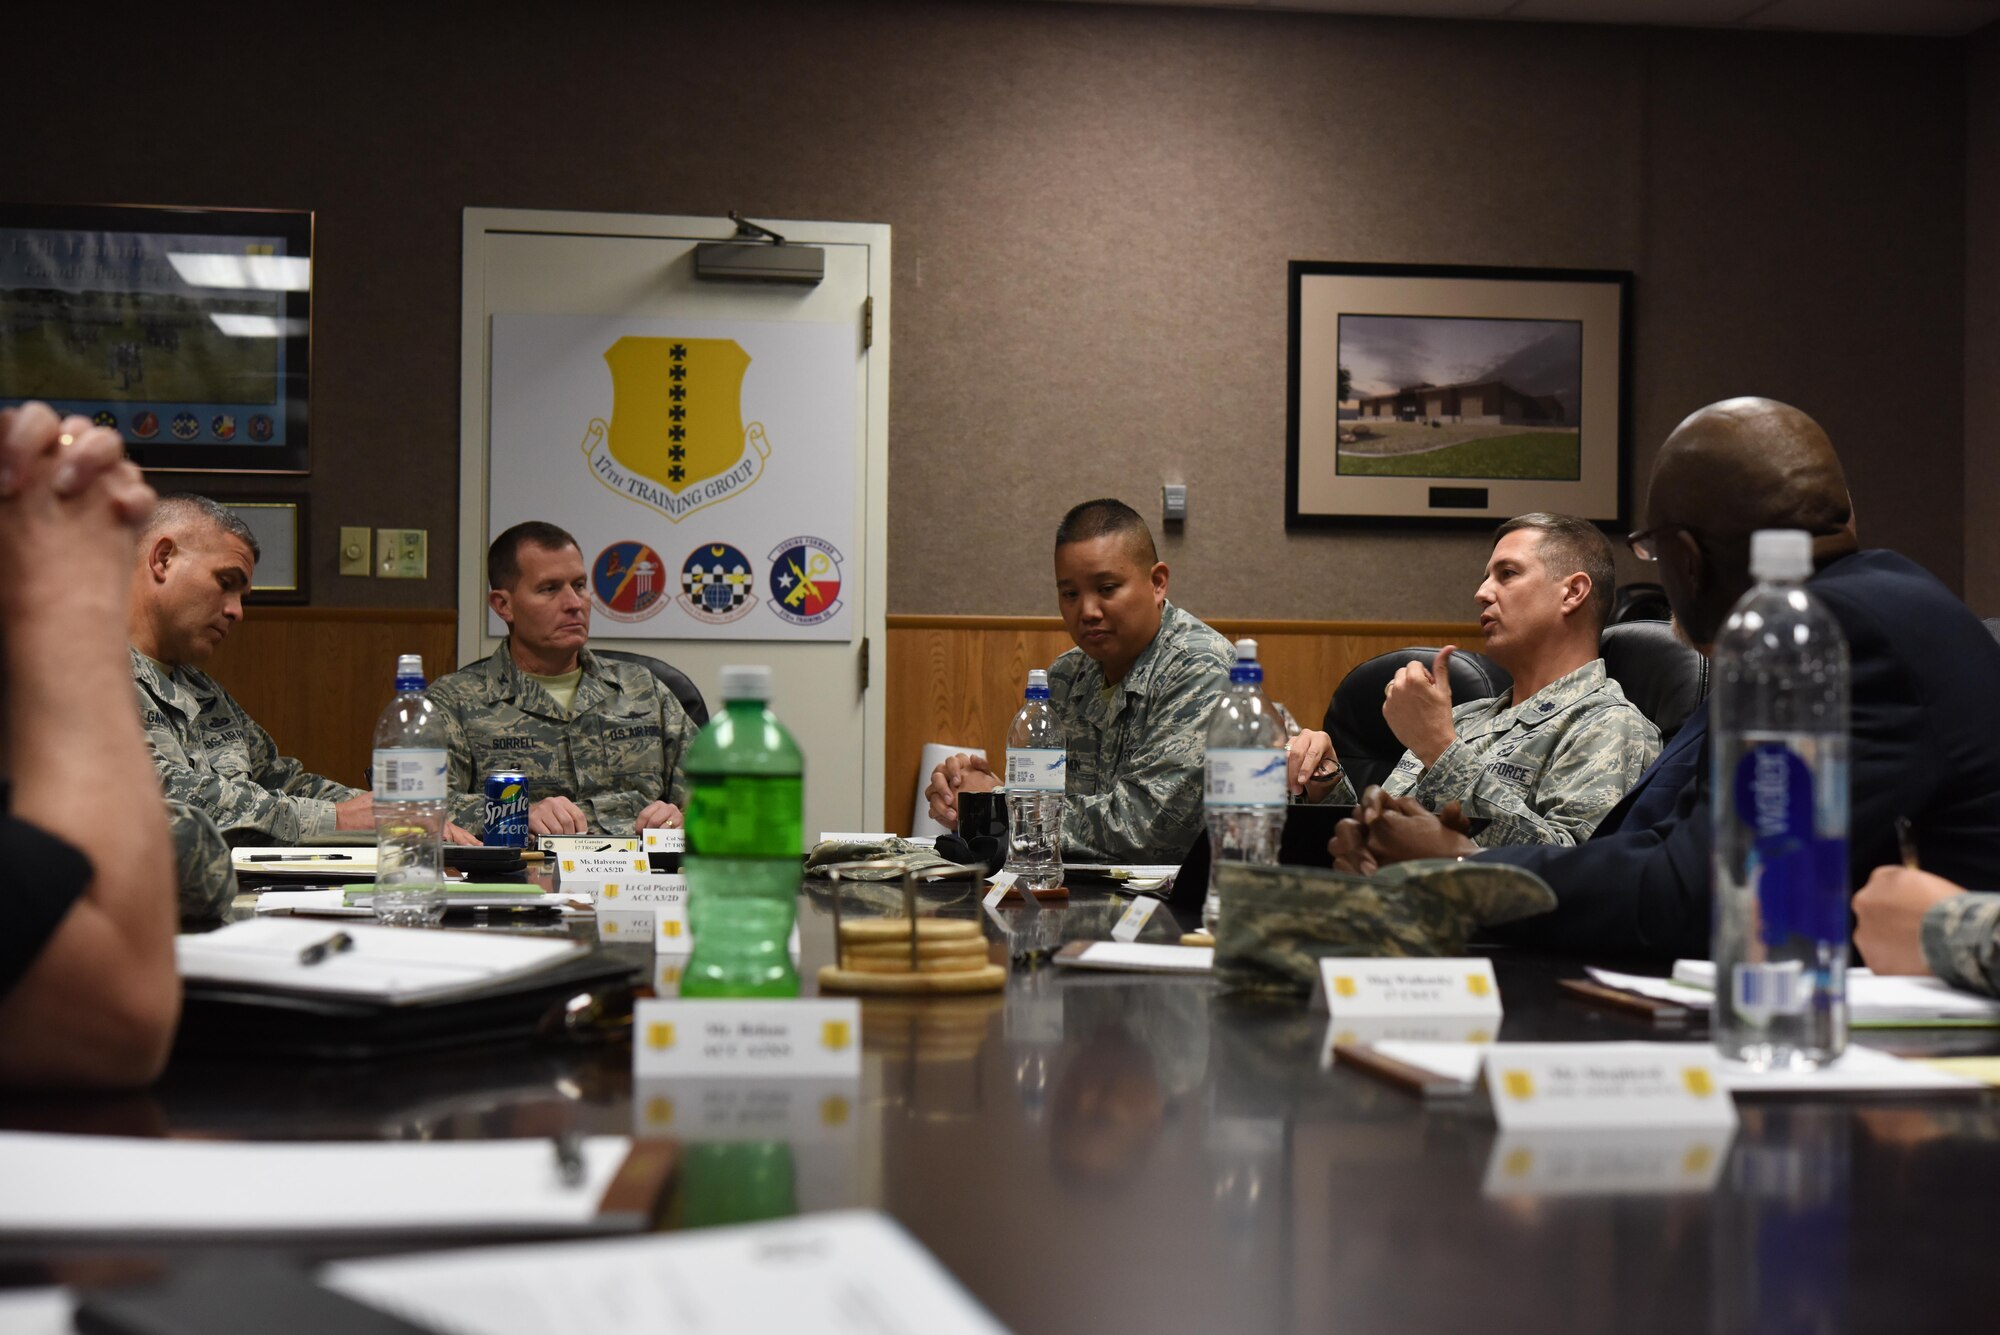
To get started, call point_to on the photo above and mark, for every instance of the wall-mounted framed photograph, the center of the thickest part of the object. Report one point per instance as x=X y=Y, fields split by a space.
x=282 y=563
x=188 y=331
x=1451 y=394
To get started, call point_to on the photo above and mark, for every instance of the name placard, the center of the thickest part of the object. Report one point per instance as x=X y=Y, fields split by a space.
x=1361 y=989
x=1002 y=883
x=660 y=839
x=657 y=925
x=587 y=843
x=807 y=1110
x=571 y=866
x=1134 y=919
x=1577 y=1086
x=817 y=1036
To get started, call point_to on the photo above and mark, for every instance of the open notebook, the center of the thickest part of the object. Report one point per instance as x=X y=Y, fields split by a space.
x=397 y=965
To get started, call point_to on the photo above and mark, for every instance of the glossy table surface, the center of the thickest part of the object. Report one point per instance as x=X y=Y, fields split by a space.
x=1109 y=1152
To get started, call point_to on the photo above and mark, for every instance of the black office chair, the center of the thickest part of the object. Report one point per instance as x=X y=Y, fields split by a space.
x=1664 y=677
x=674 y=679
x=1367 y=748
x=1639 y=602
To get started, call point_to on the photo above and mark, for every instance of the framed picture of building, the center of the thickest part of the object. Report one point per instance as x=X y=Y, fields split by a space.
x=1457 y=395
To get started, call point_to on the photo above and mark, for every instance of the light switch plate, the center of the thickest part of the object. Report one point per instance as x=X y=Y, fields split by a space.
x=1173 y=502
x=402 y=553
x=354 y=543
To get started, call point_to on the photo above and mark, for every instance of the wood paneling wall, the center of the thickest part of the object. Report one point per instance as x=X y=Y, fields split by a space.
x=958 y=679
x=316 y=678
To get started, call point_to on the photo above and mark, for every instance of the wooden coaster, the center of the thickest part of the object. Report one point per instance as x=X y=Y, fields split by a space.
x=900 y=950
x=1059 y=893
x=992 y=978
x=1197 y=939
x=945 y=964
x=898 y=929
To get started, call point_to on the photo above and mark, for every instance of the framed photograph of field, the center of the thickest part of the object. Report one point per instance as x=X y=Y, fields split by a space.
x=1457 y=395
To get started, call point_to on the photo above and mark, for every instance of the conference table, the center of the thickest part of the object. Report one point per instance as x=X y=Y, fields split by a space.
x=1100 y=1152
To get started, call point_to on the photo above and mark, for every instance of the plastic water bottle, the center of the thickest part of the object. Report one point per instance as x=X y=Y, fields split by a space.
x=1246 y=773
x=745 y=839
x=1037 y=773
x=1780 y=801
x=409 y=804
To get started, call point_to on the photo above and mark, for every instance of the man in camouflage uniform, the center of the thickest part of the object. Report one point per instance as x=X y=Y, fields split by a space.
x=1544 y=763
x=1133 y=698
x=201 y=857
x=1911 y=922
x=195 y=562
x=601 y=741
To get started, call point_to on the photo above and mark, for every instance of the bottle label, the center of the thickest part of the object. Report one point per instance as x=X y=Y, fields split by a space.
x=404 y=775
x=1036 y=770
x=1765 y=990
x=1800 y=877
x=1246 y=778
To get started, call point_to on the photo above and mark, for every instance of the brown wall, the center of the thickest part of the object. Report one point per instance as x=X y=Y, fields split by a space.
x=1093 y=207
x=957 y=679
x=1982 y=322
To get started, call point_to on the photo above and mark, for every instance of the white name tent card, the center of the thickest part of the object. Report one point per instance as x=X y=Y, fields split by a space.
x=585 y=866
x=1134 y=919
x=1001 y=883
x=850 y=1270
x=561 y=844
x=818 y=1036
x=1407 y=988
x=182 y=1187
x=661 y=839
x=1582 y=1086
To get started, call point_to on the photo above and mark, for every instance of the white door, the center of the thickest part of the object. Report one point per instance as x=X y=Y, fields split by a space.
x=602 y=264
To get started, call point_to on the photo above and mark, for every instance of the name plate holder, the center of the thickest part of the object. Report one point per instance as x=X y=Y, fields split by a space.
x=1544 y=1087
x=1133 y=921
x=556 y=845
x=1409 y=989
x=816 y=1037
x=585 y=866
x=663 y=847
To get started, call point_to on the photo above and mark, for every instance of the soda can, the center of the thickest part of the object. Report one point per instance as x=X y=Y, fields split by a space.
x=507 y=809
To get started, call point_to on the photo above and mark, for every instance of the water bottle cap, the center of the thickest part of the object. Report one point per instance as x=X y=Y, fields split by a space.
x=751 y=681
x=1780 y=553
x=1246 y=651
x=1038 y=676
x=408 y=667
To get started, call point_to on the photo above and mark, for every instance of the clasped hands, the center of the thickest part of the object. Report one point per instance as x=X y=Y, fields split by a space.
x=1385 y=829
x=962 y=773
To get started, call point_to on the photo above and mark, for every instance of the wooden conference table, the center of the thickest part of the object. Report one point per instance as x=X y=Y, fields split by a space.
x=1110 y=1152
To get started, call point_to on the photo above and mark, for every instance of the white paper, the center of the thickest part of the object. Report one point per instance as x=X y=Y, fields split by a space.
x=1143 y=959
x=146 y=1186
x=1369 y=988
x=854 y=1271
x=396 y=964
x=1879 y=1000
x=818 y=1036
x=37 y=1312
x=320 y=863
x=1660 y=989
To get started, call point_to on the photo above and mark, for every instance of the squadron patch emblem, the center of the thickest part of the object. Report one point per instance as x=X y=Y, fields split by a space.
x=716 y=584
x=628 y=581
x=805 y=580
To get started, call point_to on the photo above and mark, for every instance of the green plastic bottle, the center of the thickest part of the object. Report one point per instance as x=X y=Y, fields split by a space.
x=745 y=837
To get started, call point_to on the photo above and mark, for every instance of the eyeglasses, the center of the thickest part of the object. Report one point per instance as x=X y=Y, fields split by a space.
x=1645 y=544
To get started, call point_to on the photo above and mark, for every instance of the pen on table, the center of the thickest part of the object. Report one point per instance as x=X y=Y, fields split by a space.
x=569 y=1159
x=319 y=950
x=300 y=857
x=1907 y=843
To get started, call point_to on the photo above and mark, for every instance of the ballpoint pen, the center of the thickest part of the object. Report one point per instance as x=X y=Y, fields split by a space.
x=320 y=950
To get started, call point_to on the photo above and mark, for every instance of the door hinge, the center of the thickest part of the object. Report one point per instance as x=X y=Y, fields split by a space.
x=867 y=330
x=864 y=664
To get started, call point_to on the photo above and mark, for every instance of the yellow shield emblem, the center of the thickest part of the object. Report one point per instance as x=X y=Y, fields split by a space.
x=676 y=440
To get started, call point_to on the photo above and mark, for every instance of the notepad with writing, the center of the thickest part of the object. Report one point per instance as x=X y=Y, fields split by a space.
x=392 y=965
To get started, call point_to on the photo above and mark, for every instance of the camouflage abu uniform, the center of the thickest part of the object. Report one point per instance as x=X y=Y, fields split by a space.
x=1135 y=760
x=213 y=756
x=1543 y=772
x=201 y=862
x=1961 y=937
x=618 y=749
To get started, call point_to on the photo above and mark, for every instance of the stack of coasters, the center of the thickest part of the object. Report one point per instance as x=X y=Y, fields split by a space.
x=894 y=955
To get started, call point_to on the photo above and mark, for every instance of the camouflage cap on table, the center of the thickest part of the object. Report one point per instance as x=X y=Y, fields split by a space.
x=1279 y=922
x=914 y=856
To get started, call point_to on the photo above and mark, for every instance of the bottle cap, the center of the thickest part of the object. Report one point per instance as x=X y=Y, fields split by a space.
x=409 y=665
x=1038 y=676
x=1780 y=553
x=750 y=681
x=1246 y=651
